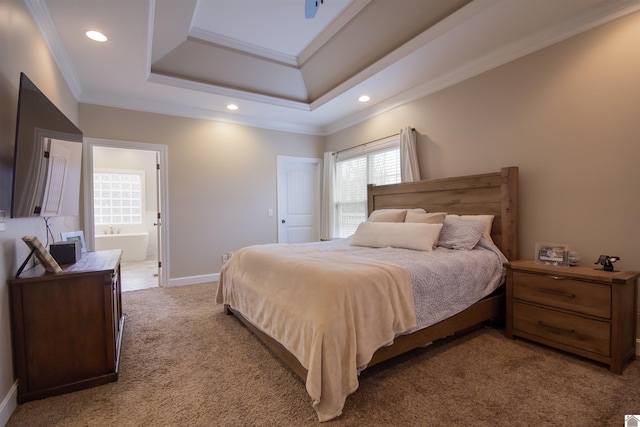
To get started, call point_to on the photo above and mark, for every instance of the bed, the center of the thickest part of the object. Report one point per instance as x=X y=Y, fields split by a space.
x=361 y=299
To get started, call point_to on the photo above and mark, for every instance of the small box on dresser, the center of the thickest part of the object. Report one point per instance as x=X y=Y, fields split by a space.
x=66 y=252
x=582 y=310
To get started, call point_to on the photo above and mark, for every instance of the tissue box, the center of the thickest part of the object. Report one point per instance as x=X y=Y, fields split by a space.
x=66 y=252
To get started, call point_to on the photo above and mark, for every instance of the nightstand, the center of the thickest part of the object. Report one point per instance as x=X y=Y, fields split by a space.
x=588 y=312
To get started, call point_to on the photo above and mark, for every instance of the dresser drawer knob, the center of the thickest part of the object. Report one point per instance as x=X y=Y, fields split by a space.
x=558 y=277
x=557 y=328
x=555 y=292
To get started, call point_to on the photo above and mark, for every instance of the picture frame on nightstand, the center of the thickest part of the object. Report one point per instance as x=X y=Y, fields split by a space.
x=71 y=236
x=43 y=255
x=552 y=254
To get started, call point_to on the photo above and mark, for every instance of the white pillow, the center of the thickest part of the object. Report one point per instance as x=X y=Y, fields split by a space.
x=387 y=215
x=418 y=236
x=487 y=219
x=461 y=233
x=392 y=215
x=428 y=218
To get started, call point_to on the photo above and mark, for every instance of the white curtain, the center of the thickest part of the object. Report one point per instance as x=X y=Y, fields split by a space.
x=328 y=179
x=409 y=168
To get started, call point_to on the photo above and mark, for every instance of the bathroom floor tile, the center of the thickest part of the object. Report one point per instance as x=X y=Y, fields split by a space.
x=139 y=274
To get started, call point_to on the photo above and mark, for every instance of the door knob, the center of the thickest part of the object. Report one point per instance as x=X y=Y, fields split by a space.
x=283 y=221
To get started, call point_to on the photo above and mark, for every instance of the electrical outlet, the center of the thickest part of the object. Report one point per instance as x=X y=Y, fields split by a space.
x=225 y=258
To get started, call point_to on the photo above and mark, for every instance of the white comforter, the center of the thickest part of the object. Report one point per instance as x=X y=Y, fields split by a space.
x=445 y=281
x=333 y=305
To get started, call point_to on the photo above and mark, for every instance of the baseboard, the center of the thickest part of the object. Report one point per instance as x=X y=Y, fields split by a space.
x=9 y=404
x=194 y=280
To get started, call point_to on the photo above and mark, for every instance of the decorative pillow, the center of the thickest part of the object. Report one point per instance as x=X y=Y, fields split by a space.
x=461 y=233
x=421 y=237
x=391 y=215
x=488 y=222
x=427 y=218
x=387 y=215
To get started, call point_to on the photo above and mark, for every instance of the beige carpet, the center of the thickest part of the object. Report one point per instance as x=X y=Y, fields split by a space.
x=185 y=363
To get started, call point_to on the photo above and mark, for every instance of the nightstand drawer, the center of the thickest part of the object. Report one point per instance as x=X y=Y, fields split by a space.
x=586 y=334
x=565 y=293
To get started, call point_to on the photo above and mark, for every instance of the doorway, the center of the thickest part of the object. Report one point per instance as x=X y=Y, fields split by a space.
x=125 y=186
x=298 y=199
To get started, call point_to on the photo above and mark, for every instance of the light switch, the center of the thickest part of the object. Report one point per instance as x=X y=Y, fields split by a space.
x=270 y=212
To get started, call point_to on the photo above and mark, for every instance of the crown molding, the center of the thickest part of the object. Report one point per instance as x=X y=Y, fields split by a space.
x=435 y=31
x=41 y=16
x=248 y=48
x=151 y=12
x=581 y=23
x=172 y=109
x=243 y=47
x=225 y=91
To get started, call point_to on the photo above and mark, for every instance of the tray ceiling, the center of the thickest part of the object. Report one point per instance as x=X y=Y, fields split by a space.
x=193 y=57
x=303 y=75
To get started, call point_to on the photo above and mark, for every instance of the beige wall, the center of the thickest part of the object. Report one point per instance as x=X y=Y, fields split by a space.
x=568 y=116
x=21 y=49
x=222 y=180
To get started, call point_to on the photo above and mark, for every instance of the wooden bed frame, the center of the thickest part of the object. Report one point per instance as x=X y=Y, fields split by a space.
x=492 y=193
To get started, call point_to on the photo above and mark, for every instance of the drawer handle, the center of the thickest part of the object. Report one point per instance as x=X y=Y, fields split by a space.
x=558 y=277
x=554 y=292
x=557 y=328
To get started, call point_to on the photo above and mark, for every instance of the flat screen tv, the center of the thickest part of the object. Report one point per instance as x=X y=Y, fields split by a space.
x=47 y=159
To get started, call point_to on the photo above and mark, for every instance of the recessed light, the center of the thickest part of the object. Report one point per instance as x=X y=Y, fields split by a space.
x=364 y=98
x=96 y=35
x=232 y=107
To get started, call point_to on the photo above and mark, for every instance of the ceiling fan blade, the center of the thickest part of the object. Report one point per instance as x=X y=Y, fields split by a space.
x=311 y=7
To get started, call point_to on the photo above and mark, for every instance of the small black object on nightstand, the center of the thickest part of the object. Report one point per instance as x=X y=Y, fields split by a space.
x=607 y=262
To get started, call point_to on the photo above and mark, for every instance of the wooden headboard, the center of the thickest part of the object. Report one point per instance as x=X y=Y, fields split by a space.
x=492 y=193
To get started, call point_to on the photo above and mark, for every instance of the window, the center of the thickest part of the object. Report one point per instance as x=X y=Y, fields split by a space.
x=117 y=197
x=379 y=166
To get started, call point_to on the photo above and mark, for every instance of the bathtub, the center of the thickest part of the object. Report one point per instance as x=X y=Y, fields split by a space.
x=133 y=245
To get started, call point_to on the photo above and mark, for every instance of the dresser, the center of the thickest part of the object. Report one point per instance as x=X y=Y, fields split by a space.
x=588 y=312
x=67 y=327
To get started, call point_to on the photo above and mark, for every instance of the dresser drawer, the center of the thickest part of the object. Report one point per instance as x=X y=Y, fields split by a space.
x=586 y=334
x=565 y=293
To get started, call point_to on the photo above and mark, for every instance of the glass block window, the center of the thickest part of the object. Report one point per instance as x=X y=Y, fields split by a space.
x=117 y=198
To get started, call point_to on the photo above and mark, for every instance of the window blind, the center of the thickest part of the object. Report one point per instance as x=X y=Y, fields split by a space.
x=380 y=167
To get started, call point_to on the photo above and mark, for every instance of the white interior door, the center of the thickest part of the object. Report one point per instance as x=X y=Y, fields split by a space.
x=63 y=178
x=298 y=199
